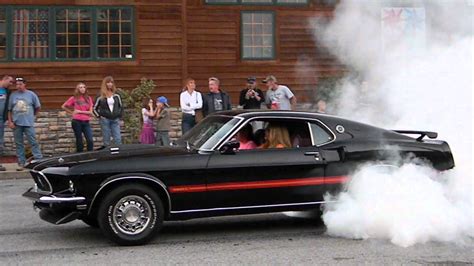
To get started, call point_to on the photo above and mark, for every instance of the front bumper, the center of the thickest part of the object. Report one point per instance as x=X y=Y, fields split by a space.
x=56 y=209
x=44 y=197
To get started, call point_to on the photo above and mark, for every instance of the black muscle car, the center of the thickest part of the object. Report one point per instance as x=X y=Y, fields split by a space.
x=129 y=190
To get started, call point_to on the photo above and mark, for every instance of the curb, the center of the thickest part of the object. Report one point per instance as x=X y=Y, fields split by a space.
x=15 y=175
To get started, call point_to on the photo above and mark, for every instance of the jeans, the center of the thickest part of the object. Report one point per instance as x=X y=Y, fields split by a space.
x=187 y=123
x=2 y=131
x=20 y=148
x=162 y=138
x=110 y=127
x=82 y=127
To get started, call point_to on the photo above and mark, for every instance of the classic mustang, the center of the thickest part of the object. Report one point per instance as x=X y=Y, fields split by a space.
x=129 y=190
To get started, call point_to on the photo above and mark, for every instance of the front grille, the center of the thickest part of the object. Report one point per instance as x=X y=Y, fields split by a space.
x=41 y=181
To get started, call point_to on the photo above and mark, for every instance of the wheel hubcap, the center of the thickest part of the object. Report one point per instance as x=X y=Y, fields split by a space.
x=131 y=215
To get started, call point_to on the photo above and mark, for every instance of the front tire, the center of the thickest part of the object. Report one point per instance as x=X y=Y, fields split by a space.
x=131 y=214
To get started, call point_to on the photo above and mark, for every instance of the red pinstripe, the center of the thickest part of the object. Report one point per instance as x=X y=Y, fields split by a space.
x=260 y=184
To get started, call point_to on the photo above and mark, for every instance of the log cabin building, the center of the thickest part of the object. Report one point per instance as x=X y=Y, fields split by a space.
x=55 y=44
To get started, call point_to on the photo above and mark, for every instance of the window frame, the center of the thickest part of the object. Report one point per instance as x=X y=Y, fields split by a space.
x=272 y=3
x=274 y=39
x=9 y=9
x=7 y=25
x=307 y=120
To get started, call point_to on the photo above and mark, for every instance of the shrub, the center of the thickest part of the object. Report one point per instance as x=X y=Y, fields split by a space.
x=132 y=101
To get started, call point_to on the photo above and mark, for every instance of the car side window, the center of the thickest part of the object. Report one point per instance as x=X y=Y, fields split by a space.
x=296 y=132
x=320 y=135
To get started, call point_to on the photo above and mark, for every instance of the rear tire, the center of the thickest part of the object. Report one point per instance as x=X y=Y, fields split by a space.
x=131 y=214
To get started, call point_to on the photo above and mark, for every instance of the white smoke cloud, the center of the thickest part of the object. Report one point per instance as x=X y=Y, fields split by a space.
x=424 y=83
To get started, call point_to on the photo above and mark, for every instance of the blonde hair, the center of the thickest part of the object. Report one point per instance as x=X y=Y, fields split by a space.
x=77 y=93
x=103 y=86
x=276 y=137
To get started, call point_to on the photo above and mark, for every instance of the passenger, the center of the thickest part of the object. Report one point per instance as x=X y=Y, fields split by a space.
x=244 y=136
x=259 y=137
x=276 y=136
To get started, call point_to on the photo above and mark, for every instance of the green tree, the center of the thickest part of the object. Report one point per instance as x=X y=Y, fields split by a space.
x=132 y=101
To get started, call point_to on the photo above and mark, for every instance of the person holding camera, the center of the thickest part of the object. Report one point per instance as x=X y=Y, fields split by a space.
x=251 y=97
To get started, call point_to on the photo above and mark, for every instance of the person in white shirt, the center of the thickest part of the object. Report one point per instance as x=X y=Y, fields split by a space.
x=190 y=100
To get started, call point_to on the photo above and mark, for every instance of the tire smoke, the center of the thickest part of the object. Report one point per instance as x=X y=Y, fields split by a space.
x=419 y=79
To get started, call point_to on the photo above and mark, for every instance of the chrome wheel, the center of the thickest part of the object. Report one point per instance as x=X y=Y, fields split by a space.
x=131 y=215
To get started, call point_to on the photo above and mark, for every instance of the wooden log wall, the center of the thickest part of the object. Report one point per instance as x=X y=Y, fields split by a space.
x=178 y=38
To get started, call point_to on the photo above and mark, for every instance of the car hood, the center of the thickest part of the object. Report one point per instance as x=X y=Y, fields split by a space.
x=107 y=154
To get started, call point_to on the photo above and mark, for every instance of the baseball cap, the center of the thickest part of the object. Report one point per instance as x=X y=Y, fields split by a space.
x=21 y=79
x=251 y=79
x=270 y=78
x=163 y=100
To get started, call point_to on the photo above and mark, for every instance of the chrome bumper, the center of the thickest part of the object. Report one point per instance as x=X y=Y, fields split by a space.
x=45 y=197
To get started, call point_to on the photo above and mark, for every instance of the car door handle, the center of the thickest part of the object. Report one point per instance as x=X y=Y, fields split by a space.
x=316 y=154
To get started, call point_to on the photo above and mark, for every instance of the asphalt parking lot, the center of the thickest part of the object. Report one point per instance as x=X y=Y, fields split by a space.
x=267 y=239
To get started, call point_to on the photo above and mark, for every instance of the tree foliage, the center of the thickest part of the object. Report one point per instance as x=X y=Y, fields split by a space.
x=132 y=101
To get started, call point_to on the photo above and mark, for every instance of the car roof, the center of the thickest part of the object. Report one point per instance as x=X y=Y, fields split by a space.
x=255 y=112
x=249 y=113
x=355 y=128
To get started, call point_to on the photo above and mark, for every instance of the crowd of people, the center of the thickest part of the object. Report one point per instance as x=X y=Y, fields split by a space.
x=19 y=108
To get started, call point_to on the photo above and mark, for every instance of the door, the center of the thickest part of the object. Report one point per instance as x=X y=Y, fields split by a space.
x=266 y=177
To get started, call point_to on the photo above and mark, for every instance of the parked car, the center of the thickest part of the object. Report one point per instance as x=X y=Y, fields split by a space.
x=129 y=190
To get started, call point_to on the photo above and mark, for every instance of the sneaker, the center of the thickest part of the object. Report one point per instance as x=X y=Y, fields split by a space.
x=2 y=168
x=20 y=167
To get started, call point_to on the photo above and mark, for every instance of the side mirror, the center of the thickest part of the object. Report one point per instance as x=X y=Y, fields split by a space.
x=230 y=147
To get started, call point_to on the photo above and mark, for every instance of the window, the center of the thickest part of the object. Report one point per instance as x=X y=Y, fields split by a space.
x=257 y=31
x=73 y=33
x=66 y=33
x=221 y=1
x=292 y=1
x=258 y=2
x=115 y=33
x=293 y=133
x=3 y=37
x=30 y=33
x=320 y=135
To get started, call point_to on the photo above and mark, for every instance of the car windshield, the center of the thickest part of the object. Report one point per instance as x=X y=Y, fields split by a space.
x=206 y=134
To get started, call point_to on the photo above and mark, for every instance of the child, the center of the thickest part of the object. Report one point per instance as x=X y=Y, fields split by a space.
x=147 y=136
x=163 y=126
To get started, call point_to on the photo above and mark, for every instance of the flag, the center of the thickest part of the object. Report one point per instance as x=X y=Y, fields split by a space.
x=31 y=33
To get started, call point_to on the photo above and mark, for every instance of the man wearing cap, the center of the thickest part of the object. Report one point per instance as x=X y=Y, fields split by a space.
x=216 y=100
x=23 y=106
x=4 y=95
x=251 y=97
x=163 y=124
x=278 y=97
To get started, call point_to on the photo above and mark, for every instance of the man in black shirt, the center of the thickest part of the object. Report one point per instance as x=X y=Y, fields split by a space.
x=216 y=100
x=251 y=97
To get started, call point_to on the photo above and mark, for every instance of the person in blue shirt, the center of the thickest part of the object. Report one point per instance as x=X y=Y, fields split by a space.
x=5 y=83
x=23 y=106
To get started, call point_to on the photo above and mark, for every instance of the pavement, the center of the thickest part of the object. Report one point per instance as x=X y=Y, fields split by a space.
x=12 y=173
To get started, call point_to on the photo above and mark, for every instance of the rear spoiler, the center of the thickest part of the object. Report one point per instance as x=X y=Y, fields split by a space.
x=429 y=134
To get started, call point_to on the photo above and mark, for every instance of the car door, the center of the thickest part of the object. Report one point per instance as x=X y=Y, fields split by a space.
x=266 y=177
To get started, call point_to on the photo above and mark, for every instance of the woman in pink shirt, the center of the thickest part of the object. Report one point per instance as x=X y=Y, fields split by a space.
x=244 y=136
x=80 y=107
